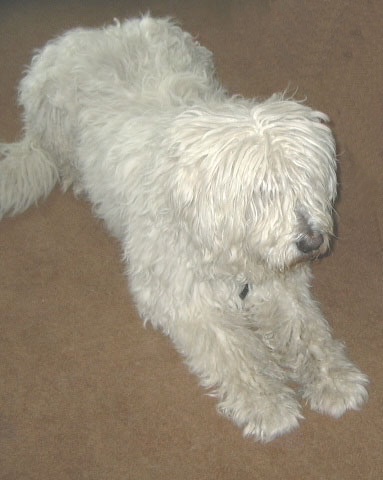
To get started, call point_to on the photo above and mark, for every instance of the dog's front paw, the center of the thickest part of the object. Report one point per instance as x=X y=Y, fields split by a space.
x=268 y=416
x=273 y=421
x=341 y=389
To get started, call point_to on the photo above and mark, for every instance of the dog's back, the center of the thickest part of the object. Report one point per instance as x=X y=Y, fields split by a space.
x=140 y=57
x=86 y=77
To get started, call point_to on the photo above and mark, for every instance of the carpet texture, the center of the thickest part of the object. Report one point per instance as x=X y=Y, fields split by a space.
x=85 y=391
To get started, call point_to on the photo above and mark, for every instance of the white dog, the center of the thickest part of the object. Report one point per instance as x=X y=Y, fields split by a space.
x=220 y=204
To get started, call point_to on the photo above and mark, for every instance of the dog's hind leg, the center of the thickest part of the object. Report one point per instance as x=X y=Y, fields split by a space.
x=30 y=168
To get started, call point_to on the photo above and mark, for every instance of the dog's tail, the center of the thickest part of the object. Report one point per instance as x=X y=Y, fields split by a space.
x=26 y=174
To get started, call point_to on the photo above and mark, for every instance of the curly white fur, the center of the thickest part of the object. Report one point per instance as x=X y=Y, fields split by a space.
x=219 y=202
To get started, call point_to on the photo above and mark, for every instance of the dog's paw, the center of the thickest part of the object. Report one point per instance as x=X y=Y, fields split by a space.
x=340 y=390
x=268 y=418
x=273 y=421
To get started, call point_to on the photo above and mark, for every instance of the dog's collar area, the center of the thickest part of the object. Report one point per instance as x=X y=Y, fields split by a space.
x=244 y=292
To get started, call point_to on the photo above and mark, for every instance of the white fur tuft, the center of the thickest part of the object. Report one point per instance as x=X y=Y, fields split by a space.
x=26 y=174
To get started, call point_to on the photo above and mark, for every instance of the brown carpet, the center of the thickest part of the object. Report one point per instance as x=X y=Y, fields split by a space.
x=85 y=391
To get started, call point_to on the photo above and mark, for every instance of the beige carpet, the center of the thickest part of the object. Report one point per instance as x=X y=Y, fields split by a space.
x=85 y=391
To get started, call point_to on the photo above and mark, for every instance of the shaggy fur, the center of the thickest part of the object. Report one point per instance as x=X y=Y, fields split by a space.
x=220 y=204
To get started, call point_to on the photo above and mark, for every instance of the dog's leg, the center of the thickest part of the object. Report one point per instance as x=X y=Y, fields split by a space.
x=331 y=383
x=229 y=358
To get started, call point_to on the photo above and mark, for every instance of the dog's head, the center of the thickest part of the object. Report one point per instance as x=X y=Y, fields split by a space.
x=254 y=183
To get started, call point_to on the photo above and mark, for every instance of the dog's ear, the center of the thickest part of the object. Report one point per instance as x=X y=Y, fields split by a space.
x=211 y=182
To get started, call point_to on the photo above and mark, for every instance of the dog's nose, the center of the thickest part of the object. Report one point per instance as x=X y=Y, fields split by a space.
x=310 y=242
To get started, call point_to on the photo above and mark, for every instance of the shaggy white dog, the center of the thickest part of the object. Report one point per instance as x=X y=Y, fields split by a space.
x=220 y=204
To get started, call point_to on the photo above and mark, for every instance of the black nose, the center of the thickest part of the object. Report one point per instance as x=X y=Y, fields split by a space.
x=310 y=242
